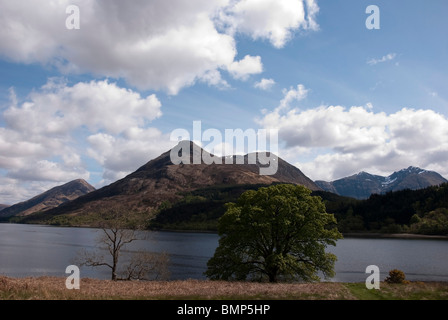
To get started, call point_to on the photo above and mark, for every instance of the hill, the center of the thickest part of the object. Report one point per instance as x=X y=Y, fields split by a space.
x=363 y=184
x=49 y=199
x=160 y=182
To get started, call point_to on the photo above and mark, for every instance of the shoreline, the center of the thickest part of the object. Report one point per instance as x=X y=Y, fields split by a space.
x=361 y=235
x=410 y=236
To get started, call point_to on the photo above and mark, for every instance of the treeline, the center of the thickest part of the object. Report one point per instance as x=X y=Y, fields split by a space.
x=200 y=209
x=423 y=211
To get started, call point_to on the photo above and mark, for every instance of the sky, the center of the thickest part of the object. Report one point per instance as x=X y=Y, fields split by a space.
x=94 y=89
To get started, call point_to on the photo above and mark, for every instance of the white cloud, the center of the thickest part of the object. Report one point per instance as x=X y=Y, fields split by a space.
x=157 y=45
x=273 y=20
x=264 y=84
x=44 y=170
x=388 y=57
x=344 y=141
x=46 y=137
x=292 y=95
x=57 y=109
x=123 y=154
x=245 y=67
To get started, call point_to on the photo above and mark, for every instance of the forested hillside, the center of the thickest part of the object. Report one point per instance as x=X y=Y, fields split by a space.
x=422 y=211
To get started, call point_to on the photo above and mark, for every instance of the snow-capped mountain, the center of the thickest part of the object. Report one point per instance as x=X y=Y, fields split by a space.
x=363 y=184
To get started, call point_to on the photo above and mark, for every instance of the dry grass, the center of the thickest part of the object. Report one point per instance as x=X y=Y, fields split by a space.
x=53 y=288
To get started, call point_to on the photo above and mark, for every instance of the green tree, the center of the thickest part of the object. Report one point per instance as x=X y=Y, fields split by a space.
x=276 y=233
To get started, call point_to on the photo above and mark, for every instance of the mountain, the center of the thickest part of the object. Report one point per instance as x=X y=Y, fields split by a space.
x=160 y=180
x=3 y=206
x=363 y=184
x=49 y=199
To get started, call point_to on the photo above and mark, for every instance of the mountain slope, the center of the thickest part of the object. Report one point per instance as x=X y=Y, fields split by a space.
x=49 y=199
x=3 y=206
x=363 y=184
x=160 y=180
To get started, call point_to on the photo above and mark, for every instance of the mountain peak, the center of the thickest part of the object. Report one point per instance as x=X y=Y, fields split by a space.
x=411 y=169
x=50 y=199
x=363 y=184
x=161 y=179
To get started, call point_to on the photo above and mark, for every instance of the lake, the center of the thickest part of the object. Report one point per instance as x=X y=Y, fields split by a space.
x=33 y=250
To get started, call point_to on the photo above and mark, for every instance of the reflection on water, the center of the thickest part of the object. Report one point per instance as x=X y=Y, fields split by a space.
x=30 y=250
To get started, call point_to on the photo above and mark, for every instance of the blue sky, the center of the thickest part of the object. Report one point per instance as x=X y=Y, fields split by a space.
x=100 y=101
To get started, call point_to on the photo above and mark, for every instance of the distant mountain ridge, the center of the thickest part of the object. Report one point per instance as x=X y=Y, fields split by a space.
x=363 y=184
x=49 y=199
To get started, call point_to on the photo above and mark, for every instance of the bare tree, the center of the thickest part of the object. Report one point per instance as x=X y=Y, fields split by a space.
x=116 y=235
x=147 y=266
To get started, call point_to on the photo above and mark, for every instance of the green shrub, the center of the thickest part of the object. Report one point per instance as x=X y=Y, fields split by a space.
x=396 y=276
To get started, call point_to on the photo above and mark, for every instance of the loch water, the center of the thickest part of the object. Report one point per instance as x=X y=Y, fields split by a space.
x=35 y=250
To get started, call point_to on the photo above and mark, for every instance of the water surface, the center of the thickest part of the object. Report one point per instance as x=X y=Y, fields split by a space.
x=33 y=250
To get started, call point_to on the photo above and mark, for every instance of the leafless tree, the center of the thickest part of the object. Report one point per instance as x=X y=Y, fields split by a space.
x=147 y=266
x=115 y=236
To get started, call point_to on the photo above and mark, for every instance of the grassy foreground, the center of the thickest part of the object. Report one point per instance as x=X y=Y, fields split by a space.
x=53 y=288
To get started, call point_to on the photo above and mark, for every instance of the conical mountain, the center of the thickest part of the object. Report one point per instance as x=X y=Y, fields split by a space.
x=161 y=180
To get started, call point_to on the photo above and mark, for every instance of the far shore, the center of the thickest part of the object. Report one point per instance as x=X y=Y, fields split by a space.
x=366 y=235
x=394 y=236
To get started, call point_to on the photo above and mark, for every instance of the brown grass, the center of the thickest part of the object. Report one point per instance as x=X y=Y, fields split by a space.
x=53 y=288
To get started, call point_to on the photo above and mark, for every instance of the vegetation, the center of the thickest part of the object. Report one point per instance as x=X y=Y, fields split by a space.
x=275 y=233
x=396 y=276
x=423 y=211
x=53 y=288
x=199 y=209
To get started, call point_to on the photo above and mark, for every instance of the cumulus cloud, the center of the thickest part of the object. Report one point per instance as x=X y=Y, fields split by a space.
x=120 y=155
x=58 y=108
x=344 y=141
x=157 y=45
x=245 y=67
x=264 y=84
x=46 y=137
x=273 y=20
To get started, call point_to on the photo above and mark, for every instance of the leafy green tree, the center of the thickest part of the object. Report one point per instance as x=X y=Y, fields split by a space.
x=434 y=222
x=276 y=233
